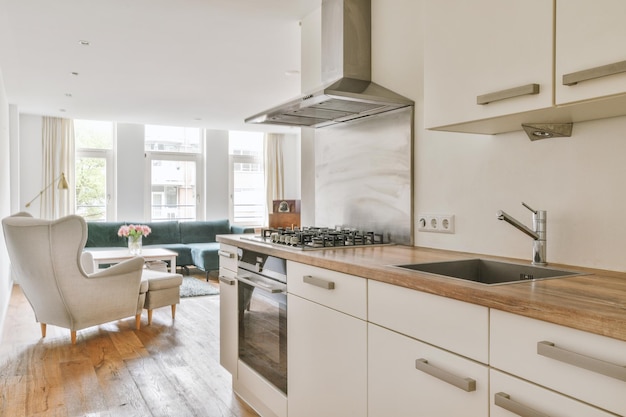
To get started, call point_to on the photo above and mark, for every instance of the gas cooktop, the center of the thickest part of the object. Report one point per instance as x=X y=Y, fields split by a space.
x=312 y=238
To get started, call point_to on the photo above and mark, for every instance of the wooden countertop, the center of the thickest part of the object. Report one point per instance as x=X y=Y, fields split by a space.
x=595 y=303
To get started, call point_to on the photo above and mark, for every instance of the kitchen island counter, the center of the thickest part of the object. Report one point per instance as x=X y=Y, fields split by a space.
x=594 y=302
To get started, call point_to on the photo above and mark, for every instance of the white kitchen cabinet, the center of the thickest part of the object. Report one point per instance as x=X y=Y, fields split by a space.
x=476 y=48
x=589 y=34
x=523 y=52
x=453 y=325
x=444 y=385
x=585 y=366
x=513 y=397
x=327 y=348
x=228 y=308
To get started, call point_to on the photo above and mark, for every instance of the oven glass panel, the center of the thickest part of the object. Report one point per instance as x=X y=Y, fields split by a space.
x=263 y=333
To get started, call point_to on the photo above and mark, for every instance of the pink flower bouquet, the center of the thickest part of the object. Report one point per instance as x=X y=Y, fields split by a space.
x=134 y=230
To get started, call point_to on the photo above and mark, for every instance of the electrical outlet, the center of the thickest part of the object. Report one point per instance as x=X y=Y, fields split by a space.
x=437 y=223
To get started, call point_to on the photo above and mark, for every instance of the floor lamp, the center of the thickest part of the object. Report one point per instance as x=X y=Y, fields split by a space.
x=62 y=186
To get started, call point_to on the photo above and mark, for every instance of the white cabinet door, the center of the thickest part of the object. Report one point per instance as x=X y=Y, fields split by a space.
x=229 y=323
x=512 y=397
x=474 y=48
x=589 y=34
x=327 y=365
x=454 y=325
x=442 y=387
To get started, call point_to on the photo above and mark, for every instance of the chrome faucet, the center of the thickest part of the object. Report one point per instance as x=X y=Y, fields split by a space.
x=538 y=233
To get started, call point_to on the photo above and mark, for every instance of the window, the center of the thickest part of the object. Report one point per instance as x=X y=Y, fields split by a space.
x=94 y=170
x=175 y=165
x=247 y=178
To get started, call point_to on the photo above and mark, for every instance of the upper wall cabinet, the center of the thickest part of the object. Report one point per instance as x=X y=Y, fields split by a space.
x=491 y=65
x=590 y=49
x=480 y=57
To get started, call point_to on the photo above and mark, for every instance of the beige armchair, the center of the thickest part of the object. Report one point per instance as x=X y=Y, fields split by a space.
x=46 y=260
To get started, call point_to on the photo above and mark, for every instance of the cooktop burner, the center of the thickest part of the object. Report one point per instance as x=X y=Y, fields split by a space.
x=318 y=237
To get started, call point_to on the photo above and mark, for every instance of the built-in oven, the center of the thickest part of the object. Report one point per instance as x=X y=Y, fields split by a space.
x=262 y=306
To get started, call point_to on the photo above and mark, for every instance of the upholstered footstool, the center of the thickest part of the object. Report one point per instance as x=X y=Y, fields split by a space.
x=163 y=290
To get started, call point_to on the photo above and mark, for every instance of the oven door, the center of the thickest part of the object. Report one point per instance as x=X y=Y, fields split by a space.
x=262 y=304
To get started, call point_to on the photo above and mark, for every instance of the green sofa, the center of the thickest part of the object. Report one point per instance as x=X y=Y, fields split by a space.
x=193 y=241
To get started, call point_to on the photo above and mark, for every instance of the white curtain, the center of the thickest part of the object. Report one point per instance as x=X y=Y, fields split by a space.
x=58 y=158
x=274 y=169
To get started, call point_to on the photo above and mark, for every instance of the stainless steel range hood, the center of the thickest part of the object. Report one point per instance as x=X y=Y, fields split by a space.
x=348 y=92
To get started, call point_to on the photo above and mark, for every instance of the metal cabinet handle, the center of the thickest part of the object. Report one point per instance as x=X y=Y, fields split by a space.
x=593 y=73
x=318 y=282
x=524 y=90
x=225 y=254
x=502 y=399
x=466 y=384
x=227 y=280
x=263 y=287
x=550 y=350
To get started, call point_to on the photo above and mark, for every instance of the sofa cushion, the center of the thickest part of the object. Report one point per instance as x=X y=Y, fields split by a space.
x=205 y=255
x=184 y=252
x=104 y=234
x=162 y=232
x=203 y=231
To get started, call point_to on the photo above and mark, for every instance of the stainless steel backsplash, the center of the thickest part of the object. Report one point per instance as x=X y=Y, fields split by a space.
x=364 y=173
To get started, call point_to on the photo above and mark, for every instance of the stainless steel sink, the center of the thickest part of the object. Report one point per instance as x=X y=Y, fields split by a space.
x=489 y=272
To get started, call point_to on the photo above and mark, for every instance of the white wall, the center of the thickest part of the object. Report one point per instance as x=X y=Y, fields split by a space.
x=578 y=180
x=5 y=202
x=30 y=161
x=130 y=172
x=217 y=173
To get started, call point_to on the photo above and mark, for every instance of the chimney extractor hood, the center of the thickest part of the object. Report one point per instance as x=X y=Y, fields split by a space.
x=348 y=93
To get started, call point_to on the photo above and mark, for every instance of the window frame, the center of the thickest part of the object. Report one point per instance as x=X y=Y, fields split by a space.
x=198 y=158
x=110 y=157
x=244 y=159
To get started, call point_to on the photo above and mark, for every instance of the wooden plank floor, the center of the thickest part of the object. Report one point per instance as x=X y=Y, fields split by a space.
x=170 y=368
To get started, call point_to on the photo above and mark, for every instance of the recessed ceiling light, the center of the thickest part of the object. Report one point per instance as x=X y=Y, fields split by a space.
x=83 y=43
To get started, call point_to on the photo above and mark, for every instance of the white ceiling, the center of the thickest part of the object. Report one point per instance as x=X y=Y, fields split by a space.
x=207 y=63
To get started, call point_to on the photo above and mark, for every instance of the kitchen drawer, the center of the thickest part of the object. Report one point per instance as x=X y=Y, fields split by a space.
x=410 y=378
x=228 y=257
x=526 y=398
x=342 y=292
x=453 y=325
x=517 y=340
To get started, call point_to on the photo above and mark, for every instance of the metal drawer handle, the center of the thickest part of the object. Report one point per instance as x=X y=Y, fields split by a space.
x=550 y=350
x=466 y=384
x=318 y=282
x=225 y=254
x=227 y=281
x=502 y=399
x=593 y=73
x=524 y=90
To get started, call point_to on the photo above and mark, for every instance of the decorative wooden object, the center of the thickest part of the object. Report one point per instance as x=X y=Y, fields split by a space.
x=286 y=214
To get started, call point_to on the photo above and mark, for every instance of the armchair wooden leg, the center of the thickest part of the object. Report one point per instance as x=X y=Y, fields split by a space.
x=73 y=335
x=149 y=316
x=138 y=321
x=173 y=311
x=43 y=329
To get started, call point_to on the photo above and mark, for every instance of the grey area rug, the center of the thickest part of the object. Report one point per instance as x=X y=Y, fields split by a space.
x=193 y=287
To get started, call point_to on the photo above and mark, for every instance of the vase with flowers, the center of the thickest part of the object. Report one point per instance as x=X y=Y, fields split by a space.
x=135 y=234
